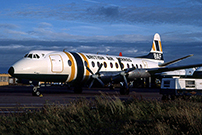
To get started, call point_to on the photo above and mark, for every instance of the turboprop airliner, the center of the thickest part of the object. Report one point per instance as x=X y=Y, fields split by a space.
x=78 y=69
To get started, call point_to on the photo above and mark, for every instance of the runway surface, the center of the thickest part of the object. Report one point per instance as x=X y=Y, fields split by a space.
x=19 y=98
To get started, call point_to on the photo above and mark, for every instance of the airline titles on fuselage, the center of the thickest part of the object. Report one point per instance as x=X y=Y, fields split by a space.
x=95 y=57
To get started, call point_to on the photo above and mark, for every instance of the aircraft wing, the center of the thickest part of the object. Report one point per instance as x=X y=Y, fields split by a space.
x=174 y=61
x=164 y=69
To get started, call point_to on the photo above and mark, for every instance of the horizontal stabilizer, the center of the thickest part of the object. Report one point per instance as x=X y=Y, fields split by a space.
x=174 y=61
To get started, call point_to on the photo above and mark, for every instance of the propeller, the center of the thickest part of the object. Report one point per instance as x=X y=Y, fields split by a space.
x=123 y=72
x=95 y=76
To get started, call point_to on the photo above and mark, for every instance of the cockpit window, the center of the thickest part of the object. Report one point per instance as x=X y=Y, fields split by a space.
x=34 y=56
x=25 y=55
x=29 y=56
x=37 y=56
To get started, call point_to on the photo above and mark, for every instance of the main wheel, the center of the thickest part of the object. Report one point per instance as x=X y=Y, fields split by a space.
x=78 y=89
x=124 y=90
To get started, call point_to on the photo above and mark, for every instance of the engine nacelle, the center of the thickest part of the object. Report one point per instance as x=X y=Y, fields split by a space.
x=138 y=73
x=198 y=73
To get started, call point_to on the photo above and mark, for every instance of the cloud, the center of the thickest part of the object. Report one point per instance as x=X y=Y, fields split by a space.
x=112 y=11
x=119 y=20
x=8 y=26
x=177 y=12
x=45 y=24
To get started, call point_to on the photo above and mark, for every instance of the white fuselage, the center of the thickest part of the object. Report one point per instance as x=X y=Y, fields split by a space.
x=70 y=66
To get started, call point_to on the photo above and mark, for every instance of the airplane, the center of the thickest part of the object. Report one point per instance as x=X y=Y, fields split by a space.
x=79 y=69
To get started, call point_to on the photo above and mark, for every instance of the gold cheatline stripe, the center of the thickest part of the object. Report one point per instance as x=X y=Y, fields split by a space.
x=87 y=72
x=72 y=67
x=153 y=46
x=160 y=46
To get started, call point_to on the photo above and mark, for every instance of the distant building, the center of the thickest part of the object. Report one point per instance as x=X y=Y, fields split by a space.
x=6 y=79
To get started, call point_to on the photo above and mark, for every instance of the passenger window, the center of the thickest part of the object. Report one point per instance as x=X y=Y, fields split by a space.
x=133 y=66
x=111 y=65
x=136 y=65
x=128 y=65
x=98 y=64
x=117 y=66
x=140 y=66
x=93 y=64
x=105 y=64
x=69 y=63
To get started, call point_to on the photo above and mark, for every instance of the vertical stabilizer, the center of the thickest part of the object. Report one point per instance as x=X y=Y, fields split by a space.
x=156 y=46
x=156 y=52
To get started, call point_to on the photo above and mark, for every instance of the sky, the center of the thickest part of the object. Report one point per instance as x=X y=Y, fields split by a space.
x=91 y=25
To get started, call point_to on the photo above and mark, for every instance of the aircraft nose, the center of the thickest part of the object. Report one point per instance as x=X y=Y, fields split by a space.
x=11 y=71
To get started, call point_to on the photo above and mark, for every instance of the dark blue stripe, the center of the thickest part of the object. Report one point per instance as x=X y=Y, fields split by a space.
x=151 y=56
x=157 y=45
x=80 y=67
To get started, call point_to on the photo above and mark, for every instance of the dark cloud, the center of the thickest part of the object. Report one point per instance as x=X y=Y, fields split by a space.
x=104 y=11
x=8 y=26
x=158 y=12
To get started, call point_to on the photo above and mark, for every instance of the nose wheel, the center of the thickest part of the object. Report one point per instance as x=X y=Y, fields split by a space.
x=35 y=91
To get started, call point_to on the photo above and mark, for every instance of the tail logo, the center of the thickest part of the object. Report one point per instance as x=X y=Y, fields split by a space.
x=157 y=46
x=157 y=56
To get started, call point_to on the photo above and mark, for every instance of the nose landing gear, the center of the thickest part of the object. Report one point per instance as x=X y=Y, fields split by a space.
x=36 y=92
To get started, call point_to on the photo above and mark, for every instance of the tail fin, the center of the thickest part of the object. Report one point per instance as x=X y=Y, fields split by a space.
x=156 y=52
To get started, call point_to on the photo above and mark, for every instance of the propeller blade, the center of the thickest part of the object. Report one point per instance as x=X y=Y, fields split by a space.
x=120 y=64
x=100 y=82
x=125 y=80
x=91 y=84
x=89 y=70
x=95 y=76
x=99 y=68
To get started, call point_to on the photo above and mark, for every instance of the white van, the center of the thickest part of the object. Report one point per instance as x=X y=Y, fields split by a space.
x=181 y=86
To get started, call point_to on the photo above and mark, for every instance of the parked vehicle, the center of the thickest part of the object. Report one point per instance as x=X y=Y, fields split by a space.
x=175 y=87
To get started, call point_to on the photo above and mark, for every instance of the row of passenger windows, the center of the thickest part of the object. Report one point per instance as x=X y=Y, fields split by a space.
x=111 y=65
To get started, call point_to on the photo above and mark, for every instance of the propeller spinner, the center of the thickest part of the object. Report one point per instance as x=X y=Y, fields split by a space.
x=95 y=76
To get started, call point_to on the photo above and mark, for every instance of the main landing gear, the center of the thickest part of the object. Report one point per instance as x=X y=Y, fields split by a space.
x=124 y=89
x=78 y=89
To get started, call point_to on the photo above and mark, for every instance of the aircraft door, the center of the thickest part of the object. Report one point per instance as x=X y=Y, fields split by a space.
x=57 y=65
x=145 y=64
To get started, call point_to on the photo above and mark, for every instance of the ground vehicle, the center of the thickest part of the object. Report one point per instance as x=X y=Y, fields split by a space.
x=175 y=87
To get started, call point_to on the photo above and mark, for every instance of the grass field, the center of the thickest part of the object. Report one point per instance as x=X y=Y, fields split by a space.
x=109 y=115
